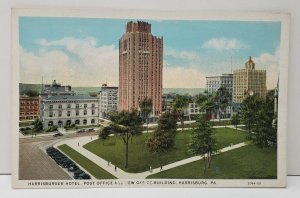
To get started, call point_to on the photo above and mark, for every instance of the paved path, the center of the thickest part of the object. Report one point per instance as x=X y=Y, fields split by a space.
x=73 y=143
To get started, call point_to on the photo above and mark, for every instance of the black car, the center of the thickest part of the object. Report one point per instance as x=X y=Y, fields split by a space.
x=58 y=134
x=84 y=176
x=73 y=168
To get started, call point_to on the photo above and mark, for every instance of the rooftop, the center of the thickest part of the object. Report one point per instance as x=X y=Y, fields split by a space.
x=71 y=97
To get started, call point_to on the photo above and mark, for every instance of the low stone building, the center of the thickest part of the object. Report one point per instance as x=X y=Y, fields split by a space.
x=64 y=110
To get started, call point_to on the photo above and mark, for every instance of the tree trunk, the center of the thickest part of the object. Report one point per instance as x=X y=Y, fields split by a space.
x=126 y=150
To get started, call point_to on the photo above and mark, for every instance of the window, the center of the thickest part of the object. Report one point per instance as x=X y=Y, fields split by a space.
x=77 y=112
x=85 y=112
x=50 y=106
x=92 y=121
x=93 y=112
x=69 y=113
x=50 y=114
x=69 y=105
x=59 y=113
x=50 y=123
x=77 y=106
x=84 y=121
x=93 y=105
x=60 y=106
x=85 y=105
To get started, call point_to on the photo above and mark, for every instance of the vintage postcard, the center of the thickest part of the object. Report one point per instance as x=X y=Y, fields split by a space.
x=131 y=98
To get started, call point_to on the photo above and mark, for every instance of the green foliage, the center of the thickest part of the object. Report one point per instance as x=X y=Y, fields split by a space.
x=31 y=93
x=146 y=107
x=126 y=124
x=37 y=126
x=258 y=115
x=249 y=111
x=104 y=133
x=163 y=137
x=52 y=128
x=235 y=120
x=203 y=143
x=179 y=104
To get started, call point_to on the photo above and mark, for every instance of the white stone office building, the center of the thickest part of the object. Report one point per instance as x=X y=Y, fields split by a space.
x=64 y=110
x=213 y=83
x=108 y=100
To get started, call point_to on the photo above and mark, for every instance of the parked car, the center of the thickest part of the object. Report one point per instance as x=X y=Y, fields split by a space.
x=73 y=168
x=58 y=134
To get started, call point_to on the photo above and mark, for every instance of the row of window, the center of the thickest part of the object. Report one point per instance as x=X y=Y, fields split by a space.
x=29 y=102
x=77 y=106
x=77 y=113
x=69 y=122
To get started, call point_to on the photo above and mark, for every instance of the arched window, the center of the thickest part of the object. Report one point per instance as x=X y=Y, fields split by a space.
x=60 y=123
x=68 y=122
x=50 y=123
x=93 y=121
x=77 y=121
x=84 y=121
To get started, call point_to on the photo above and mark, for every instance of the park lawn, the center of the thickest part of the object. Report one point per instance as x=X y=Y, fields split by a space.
x=140 y=159
x=247 y=162
x=87 y=164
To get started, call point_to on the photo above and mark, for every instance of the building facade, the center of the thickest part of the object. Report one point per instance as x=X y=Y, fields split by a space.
x=213 y=83
x=64 y=110
x=140 y=67
x=108 y=100
x=248 y=81
x=29 y=108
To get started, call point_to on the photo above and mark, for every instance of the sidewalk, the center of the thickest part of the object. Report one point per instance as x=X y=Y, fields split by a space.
x=73 y=143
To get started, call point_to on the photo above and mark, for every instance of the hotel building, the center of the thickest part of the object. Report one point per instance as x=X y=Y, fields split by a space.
x=29 y=108
x=248 y=81
x=140 y=67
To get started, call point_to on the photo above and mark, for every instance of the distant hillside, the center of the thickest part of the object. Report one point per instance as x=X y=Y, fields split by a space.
x=87 y=90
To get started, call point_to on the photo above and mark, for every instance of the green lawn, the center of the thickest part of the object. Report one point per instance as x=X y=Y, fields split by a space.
x=87 y=164
x=248 y=162
x=140 y=158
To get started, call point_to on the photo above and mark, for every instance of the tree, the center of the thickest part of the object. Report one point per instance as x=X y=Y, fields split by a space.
x=222 y=99
x=258 y=115
x=104 y=133
x=146 y=109
x=264 y=134
x=179 y=104
x=203 y=142
x=163 y=137
x=31 y=93
x=249 y=111
x=126 y=124
x=37 y=126
x=235 y=120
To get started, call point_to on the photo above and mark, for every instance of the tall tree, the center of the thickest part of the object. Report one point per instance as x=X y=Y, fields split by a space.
x=264 y=134
x=203 y=142
x=104 y=133
x=146 y=109
x=179 y=105
x=235 y=120
x=126 y=124
x=222 y=99
x=163 y=137
x=249 y=111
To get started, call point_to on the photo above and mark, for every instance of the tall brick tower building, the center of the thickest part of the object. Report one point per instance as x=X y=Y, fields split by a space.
x=140 y=67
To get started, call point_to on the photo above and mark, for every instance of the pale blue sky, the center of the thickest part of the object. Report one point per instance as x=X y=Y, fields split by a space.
x=205 y=46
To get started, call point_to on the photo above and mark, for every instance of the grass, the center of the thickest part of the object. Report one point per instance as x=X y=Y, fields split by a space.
x=248 y=162
x=140 y=158
x=87 y=164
